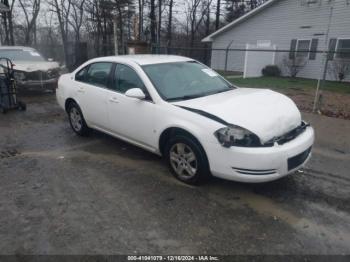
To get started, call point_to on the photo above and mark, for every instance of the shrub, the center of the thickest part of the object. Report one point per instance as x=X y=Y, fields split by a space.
x=340 y=69
x=271 y=70
x=294 y=65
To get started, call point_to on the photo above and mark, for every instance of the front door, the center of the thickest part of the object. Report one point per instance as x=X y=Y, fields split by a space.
x=130 y=118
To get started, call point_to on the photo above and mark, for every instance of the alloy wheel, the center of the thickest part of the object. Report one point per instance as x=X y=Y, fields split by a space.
x=76 y=119
x=183 y=160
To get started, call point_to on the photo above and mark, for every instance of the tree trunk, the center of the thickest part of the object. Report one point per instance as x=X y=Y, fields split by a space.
x=12 y=39
x=63 y=33
x=159 y=21
x=140 y=19
x=6 y=29
x=170 y=22
x=217 y=19
x=207 y=31
x=193 y=24
x=121 y=31
x=97 y=39
x=152 y=16
x=34 y=35
x=104 y=34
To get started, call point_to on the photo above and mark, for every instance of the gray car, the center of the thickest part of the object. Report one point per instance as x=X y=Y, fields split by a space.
x=32 y=70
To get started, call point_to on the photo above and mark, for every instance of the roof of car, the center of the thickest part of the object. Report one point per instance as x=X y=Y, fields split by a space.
x=148 y=59
x=16 y=47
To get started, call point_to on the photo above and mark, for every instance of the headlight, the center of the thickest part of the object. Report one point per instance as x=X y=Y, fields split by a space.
x=236 y=136
x=53 y=73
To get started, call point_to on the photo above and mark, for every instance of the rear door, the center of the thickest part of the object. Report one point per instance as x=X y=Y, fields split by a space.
x=92 y=87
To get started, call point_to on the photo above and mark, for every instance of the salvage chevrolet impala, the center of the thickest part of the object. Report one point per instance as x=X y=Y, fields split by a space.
x=178 y=108
x=32 y=70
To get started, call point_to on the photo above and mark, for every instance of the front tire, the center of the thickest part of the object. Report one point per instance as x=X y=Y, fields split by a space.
x=187 y=160
x=77 y=121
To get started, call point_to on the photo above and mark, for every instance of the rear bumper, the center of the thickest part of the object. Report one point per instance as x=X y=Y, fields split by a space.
x=255 y=165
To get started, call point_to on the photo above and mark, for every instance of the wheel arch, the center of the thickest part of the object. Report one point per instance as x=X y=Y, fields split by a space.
x=175 y=130
x=68 y=102
x=170 y=131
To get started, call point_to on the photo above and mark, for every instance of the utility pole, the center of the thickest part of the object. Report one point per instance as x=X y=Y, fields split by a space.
x=115 y=35
x=323 y=73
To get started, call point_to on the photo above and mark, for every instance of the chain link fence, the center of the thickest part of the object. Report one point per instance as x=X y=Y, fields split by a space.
x=317 y=80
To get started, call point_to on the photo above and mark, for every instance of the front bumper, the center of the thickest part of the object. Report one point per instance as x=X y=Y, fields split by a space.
x=37 y=84
x=256 y=165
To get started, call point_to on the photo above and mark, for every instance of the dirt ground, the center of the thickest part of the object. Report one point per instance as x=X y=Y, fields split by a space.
x=332 y=104
x=64 y=194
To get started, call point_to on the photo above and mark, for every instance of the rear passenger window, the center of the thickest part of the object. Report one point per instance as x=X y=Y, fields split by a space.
x=98 y=74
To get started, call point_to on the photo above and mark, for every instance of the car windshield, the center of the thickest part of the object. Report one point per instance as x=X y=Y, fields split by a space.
x=185 y=80
x=21 y=55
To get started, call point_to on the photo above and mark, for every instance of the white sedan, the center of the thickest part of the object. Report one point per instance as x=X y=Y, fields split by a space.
x=178 y=108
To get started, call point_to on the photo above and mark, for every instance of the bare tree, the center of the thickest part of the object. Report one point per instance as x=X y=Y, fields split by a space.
x=8 y=23
x=235 y=9
x=217 y=15
x=340 y=68
x=93 y=23
x=62 y=9
x=159 y=21
x=170 y=21
x=31 y=10
x=196 y=20
x=140 y=18
x=76 y=17
x=294 y=65
x=124 y=10
x=152 y=16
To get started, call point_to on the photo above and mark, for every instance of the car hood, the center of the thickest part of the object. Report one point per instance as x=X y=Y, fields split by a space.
x=266 y=113
x=35 y=66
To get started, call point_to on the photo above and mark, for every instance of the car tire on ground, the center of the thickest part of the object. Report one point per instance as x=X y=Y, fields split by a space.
x=187 y=160
x=76 y=120
x=22 y=106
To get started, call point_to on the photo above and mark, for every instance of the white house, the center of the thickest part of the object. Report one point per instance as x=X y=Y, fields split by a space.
x=310 y=26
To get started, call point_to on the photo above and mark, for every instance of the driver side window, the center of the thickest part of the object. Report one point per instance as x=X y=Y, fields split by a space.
x=126 y=78
x=81 y=75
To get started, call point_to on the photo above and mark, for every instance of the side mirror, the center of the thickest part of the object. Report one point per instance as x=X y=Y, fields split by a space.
x=50 y=59
x=135 y=93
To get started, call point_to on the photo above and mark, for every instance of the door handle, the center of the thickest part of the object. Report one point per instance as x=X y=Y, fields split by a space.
x=113 y=100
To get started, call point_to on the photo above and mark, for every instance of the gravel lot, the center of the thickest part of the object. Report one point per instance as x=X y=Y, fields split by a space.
x=63 y=194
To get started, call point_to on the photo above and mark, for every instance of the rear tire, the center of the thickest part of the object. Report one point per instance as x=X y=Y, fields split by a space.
x=76 y=120
x=187 y=160
x=22 y=106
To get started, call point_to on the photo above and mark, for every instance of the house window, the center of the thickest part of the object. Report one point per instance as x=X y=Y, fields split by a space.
x=303 y=48
x=343 y=48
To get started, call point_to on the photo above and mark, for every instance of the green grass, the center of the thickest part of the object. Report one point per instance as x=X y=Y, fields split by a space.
x=229 y=73
x=290 y=83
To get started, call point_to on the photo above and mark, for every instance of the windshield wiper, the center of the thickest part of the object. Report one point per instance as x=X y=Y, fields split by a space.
x=186 y=97
x=218 y=92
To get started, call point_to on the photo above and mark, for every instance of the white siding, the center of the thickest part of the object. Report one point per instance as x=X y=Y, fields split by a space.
x=280 y=23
